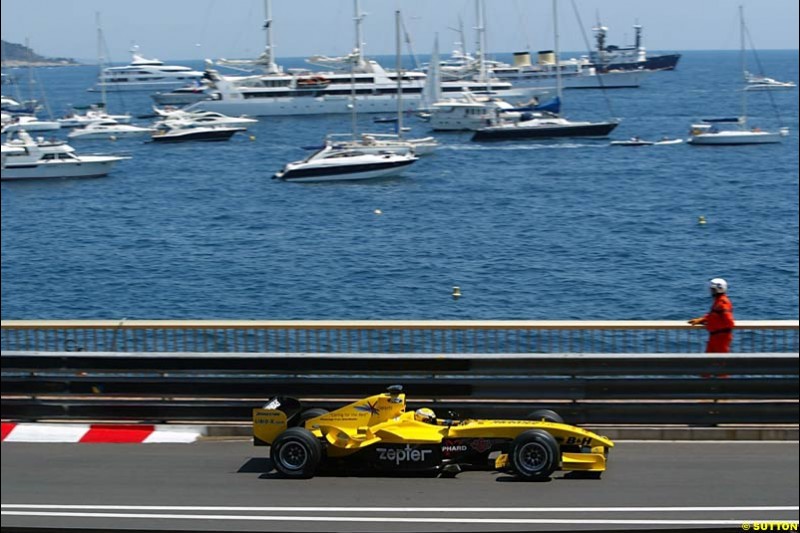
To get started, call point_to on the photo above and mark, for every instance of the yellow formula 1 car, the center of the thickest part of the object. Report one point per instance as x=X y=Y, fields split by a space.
x=377 y=433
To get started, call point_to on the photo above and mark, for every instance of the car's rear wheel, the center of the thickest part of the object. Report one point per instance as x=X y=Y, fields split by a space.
x=546 y=415
x=296 y=453
x=534 y=455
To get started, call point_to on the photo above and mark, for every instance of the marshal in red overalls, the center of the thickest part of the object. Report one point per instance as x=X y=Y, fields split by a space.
x=719 y=324
x=719 y=320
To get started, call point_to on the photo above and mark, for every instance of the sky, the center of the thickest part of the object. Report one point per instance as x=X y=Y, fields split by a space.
x=198 y=29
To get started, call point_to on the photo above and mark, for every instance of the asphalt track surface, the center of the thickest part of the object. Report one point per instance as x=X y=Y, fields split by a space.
x=228 y=486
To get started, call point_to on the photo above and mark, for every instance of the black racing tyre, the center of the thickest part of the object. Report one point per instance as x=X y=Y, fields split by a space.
x=546 y=415
x=308 y=414
x=534 y=455
x=296 y=453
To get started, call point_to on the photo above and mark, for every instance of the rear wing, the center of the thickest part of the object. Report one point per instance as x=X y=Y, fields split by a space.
x=274 y=417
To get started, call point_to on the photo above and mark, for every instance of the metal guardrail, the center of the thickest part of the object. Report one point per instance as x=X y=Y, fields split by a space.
x=387 y=336
x=695 y=389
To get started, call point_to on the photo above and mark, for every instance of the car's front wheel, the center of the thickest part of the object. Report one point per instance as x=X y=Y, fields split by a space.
x=534 y=455
x=296 y=453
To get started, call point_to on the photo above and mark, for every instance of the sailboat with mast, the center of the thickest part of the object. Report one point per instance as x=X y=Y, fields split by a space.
x=383 y=142
x=732 y=131
x=545 y=124
x=353 y=159
x=102 y=125
x=96 y=112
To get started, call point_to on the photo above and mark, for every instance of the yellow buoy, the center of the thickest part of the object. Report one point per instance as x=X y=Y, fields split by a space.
x=701 y=220
x=252 y=137
x=456 y=292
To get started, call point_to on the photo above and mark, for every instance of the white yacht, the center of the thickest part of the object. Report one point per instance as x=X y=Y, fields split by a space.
x=182 y=95
x=108 y=130
x=144 y=74
x=95 y=113
x=308 y=92
x=203 y=118
x=174 y=131
x=27 y=107
x=576 y=73
x=763 y=83
x=471 y=112
x=724 y=131
x=25 y=158
x=331 y=164
x=28 y=123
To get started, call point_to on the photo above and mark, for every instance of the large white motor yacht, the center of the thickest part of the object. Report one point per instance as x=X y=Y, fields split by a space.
x=26 y=158
x=145 y=75
x=306 y=93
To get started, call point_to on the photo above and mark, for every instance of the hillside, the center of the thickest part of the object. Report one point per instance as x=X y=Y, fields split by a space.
x=15 y=55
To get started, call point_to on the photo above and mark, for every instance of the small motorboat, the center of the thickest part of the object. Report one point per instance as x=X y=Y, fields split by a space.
x=666 y=141
x=633 y=141
x=332 y=164
x=175 y=131
x=763 y=83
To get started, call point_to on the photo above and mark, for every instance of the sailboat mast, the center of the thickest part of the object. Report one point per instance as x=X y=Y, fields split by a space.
x=480 y=41
x=100 y=59
x=272 y=67
x=358 y=17
x=556 y=51
x=399 y=73
x=353 y=116
x=742 y=60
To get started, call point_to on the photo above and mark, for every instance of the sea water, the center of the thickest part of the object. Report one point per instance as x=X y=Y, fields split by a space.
x=539 y=229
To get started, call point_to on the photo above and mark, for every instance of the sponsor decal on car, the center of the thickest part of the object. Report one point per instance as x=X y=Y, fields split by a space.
x=452 y=447
x=369 y=407
x=405 y=456
x=481 y=445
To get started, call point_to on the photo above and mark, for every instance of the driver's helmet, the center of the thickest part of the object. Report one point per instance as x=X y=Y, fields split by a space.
x=425 y=415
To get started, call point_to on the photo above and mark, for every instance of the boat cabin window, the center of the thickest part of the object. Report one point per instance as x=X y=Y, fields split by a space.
x=58 y=156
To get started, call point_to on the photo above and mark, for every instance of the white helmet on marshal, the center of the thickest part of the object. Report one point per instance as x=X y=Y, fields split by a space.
x=718 y=286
